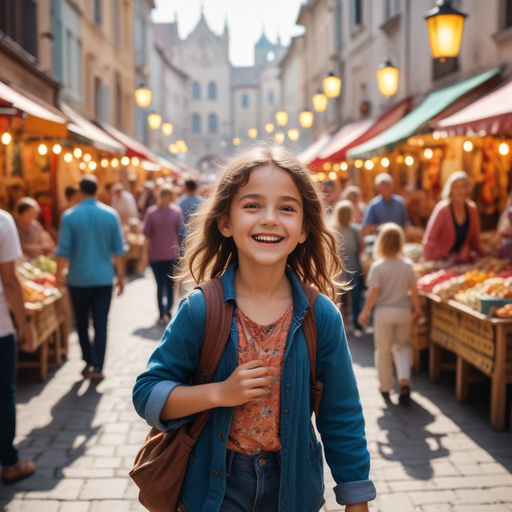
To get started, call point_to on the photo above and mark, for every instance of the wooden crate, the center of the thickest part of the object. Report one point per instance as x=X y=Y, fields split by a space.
x=65 y=317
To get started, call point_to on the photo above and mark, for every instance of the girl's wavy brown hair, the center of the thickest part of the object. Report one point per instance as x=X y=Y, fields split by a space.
x=208 y=253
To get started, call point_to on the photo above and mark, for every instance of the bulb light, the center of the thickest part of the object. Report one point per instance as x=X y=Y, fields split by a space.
x=125 y=161
x=68 y=157
x=42 y=149
x=6 y=138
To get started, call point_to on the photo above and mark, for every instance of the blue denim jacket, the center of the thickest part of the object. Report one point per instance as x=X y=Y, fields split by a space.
x=340 y=420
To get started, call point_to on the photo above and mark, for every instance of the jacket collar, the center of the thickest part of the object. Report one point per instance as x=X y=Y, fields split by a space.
x=300 y=303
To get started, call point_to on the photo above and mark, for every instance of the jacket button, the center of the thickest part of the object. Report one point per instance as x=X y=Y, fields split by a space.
x=262 y=462
x=286 y=411
x=288 y=359
x=231 y=356
x=221 y=437
x=288 y=385
x=216 y=473
x=283 y=497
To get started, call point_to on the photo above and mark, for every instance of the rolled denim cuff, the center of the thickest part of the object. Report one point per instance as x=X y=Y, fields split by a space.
x=359 y=491
x=156 y=402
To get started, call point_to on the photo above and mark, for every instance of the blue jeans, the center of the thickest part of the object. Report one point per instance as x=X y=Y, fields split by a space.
x=96 y=299
x=8 y=354
x=252 y=482
x=356 y=294
x=163 y=271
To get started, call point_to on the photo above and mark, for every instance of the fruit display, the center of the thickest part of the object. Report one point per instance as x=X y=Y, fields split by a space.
x=448 y=289
x=497 y=287
x=37 y=282
x=505 y=311
x=429 y=281
x=45 y=264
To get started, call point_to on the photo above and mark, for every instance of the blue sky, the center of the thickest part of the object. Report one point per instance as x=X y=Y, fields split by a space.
x=245 y=18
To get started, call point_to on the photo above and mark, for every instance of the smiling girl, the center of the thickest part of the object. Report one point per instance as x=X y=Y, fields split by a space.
x=262 y=231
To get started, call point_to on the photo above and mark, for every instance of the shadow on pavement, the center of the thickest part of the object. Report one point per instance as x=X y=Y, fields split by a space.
x=56 y=446
x=154 y=332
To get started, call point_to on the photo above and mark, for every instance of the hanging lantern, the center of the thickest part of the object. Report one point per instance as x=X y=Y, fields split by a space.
x=279 y=137
x=253 y=133
x=282 y=118
x=154 y=121
x=143 y=96
x=320 y=101
x=387 y=78
x=445 y=26
x=125 y=161
x=42 y=149
x=57 y=149
x=269 y=127
x=306 y=119
x=332 y=86
x=6 y=138
x=236 y=141
x=167 y=129
x=68 y=158
x=294 y=134
x=503 y=149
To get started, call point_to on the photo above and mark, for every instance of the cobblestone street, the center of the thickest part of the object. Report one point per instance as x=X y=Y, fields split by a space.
x=435 y=456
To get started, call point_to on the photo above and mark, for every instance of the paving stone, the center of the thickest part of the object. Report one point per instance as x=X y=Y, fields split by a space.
x=426 y=497
x=104 y=489
x=75 y=506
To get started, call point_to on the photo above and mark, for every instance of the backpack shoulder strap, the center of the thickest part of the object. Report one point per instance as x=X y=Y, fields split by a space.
x=219 y=315
x=311 y=335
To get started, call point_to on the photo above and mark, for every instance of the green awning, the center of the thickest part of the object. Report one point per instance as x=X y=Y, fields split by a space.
x=433 y=104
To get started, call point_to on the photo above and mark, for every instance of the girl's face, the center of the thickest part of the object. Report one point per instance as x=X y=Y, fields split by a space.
x=460 y=191
x=266 y=217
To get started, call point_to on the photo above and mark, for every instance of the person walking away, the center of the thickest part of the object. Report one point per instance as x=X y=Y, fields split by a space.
x=350 y=253
x=386 y=207
x=90 y=236
x=11 y=300
x=393 y=292
x=162 y=227
x=261 y=228
x=35 y=240
x=354 y=195
x=190 y=200
x=124 y=203
x=72 y=197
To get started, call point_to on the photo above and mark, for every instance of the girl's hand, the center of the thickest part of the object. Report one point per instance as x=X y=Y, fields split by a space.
x=358 y=507
x=363 y=319
x=248 y=382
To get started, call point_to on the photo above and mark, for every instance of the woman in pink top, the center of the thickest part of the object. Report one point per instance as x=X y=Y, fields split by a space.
x=453 y=230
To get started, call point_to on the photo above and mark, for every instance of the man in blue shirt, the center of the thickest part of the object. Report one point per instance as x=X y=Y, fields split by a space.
x=90 y=237
x=386 y=207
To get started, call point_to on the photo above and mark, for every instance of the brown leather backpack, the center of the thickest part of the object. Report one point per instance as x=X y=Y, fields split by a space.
x=161 y=464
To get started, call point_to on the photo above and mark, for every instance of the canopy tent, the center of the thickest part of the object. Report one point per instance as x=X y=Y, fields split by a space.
x=133 y=146
x=40 y=116
x=356 y=133
x=311 y=152
x=92 y=133
x=435 y=103
x=491 y=114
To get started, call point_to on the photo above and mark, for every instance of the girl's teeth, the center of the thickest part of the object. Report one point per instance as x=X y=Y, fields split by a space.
x=267 y=238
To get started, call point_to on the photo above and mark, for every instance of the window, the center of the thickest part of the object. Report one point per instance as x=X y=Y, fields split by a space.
x=508 y=13
x=212 y=123
x=357 y=12
x=391 y=9
x=97 y=97
x=98 y=4
x=196 y=91
x=117 y=29
x=68 y=71
x=18 y=19
x=119 y=101
x=196 y=123
x=270 y=97
x=442 y=69
x=245 y=101
x=212 y=91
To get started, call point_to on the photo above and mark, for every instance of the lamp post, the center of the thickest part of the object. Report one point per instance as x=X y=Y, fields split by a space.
x=387 y=78
x=143 y=96
x=445 y=26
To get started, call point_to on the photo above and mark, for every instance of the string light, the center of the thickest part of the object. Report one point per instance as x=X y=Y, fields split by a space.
x=385 y=162
x=344 y=166
x=77 y=153
x=428 y=153
x=336 y=167
x=358 y=164
x=125 y=161
x=332 y=175
x=135 y=161
x=468 y=146
x=42 y=149
x=104 y=162
x=87 y=157
x=92 y=166
x=504 y=149
x=57 y=149
x=236 y=141
x=114 y=163
x=321 y=176
x=326 y=166
x=82 y=166
x=409 y=160
x=6 y=138
x=369 y=165
x=68 y=157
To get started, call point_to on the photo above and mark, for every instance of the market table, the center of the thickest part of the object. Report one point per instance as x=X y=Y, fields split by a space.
x=478 y=341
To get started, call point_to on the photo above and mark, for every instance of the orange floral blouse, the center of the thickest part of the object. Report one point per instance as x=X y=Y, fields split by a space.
x=255 y=425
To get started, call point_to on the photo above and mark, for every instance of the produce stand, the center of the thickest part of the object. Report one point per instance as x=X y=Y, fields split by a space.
x=478 y=341
x=47 y=336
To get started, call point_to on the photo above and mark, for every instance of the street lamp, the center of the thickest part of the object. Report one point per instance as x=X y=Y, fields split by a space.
x=236 y=141
x=282 y=118
x=306 y=119
x=155 y=120
x=167 y=129
x=293 y=134
x=320 y=101
x=253 y=133
x=332 y=85
x=445 y=26
x=279 y=137
x=387 y=78
x=269 y=127
x=143 y=96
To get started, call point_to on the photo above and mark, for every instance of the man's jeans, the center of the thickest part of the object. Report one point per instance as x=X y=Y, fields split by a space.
x=9 y=352
x=163 y=271
x=96 y=299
